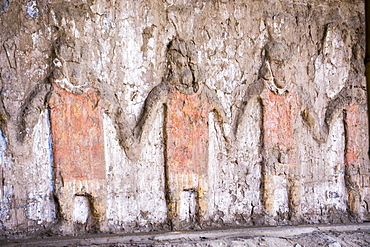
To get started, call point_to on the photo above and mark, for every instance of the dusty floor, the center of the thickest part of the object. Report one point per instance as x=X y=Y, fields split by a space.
x=318 y=235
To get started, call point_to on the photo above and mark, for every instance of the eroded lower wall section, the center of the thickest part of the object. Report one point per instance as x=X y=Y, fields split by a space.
x=133 y=195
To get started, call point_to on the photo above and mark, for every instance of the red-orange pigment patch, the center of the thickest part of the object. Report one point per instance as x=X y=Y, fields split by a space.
x=279 y=116
x=187 y=133
x=355 y=150
x=77 y=132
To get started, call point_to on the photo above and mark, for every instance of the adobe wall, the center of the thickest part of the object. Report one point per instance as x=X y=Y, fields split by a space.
x=121 y=116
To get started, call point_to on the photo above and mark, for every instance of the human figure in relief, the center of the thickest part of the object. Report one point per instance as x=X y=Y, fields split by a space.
x=281 y=106
x=348 y=104
x=187 y=105
x=78 y=145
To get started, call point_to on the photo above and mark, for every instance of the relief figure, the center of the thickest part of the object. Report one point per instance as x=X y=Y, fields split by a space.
x=281 y=104
x=78 y=145
x=187 y=104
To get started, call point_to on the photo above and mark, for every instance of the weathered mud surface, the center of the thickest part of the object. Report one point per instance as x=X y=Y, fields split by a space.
x=123 y=116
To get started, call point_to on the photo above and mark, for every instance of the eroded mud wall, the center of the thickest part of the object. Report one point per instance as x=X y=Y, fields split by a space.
x=146 y=115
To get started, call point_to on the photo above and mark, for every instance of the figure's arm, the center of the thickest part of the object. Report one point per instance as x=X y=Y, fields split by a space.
x=31 y=108
x=219 y=110
x=157 y=96
x=252 y=91
x=215 y=103
x=320 y=130
x=342 y=99
x=129 y=136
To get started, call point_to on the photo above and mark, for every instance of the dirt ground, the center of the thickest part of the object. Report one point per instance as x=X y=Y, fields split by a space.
x=296 y=236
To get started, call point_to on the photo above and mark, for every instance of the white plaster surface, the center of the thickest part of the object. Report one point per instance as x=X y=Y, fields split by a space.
x=39 y=174
x=81 y=209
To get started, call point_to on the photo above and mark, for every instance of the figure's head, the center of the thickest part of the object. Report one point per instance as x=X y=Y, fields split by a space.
x=181 y=72
x=276 y=67
x=73 y=58
x=71 y=69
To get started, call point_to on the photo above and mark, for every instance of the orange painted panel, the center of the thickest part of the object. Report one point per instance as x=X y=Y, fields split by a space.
x=279 y=115
x=187 y=133
x=355 y=122
x=77 y=132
